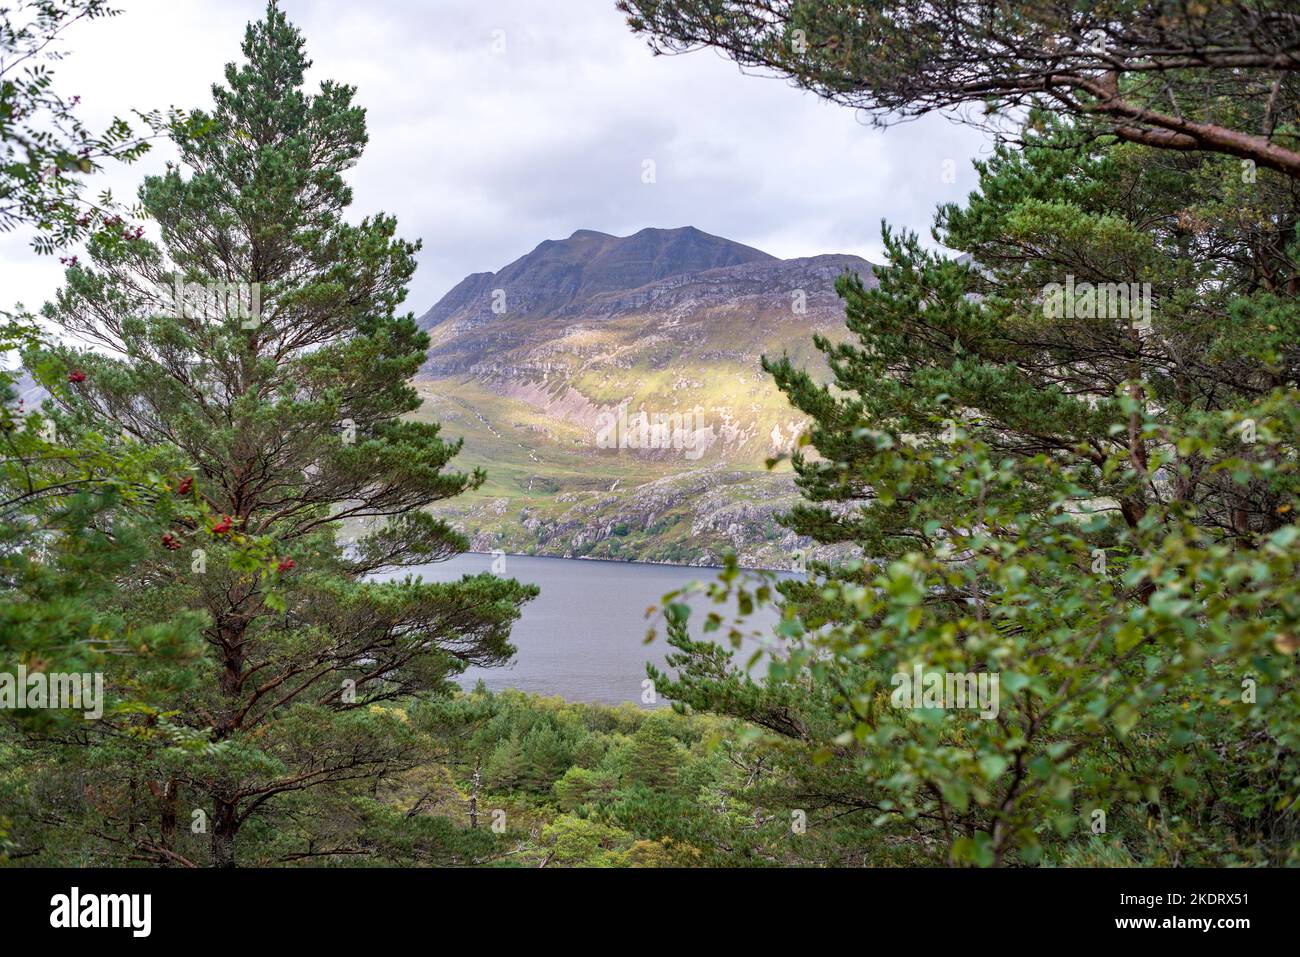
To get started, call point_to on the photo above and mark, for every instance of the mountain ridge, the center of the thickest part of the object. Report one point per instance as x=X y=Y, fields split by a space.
x=564 y=272
x=664 y=323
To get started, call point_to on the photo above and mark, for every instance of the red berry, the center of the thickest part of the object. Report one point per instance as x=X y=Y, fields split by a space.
x=187 y=483
x=76 y=375
x=170 y=543
x=222 y=526
x=286 y=564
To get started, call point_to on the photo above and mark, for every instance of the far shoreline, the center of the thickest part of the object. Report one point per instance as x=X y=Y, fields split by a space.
x=626 y=561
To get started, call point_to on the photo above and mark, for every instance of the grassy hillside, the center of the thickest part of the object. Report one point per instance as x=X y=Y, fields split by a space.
x=549 y=392
x=550 y=492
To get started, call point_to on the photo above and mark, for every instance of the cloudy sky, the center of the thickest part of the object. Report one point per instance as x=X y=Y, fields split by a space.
x=496 y=124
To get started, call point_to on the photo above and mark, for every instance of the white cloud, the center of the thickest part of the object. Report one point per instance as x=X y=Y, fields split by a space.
x=483 y=155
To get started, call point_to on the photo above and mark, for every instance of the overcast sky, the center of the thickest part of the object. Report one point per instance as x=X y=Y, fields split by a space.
x=484 y=152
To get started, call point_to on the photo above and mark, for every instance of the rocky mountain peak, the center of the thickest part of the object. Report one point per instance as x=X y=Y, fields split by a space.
x=562 y=273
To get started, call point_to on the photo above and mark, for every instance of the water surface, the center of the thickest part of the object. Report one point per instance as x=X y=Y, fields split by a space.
x=583 y=637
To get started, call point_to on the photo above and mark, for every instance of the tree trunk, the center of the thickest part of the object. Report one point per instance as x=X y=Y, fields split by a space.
x=167 y=814
x=225 y=825
x=473 y=795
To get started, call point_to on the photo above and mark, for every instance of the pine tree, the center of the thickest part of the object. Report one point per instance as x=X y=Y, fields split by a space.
x=260 y=339
x=654 y=756
x=546 y=755
x=506 y=766
x=1141 y=71
x=1096 y=509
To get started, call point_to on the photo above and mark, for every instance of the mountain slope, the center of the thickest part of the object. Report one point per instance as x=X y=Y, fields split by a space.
x=598 y=331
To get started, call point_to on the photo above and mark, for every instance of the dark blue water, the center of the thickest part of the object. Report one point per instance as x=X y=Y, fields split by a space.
x=583 y=637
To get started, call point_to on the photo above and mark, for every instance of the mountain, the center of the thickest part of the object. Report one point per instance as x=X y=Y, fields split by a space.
x=612 y=388
x=564 y=274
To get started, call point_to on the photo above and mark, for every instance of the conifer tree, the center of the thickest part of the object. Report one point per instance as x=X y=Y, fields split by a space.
x=1191 y=77
x=1093 y=504
x=654 y=756
x=260 y=339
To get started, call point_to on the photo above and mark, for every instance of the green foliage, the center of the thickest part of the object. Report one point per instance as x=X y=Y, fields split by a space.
x=75 y=517
x=1213 y=77
x=505 y=767
x=634 y=789
x=1087 y=517
x=654 y=757
x=285 y=419
x=46 y=152
x=580 y=786
x=1100 y=516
